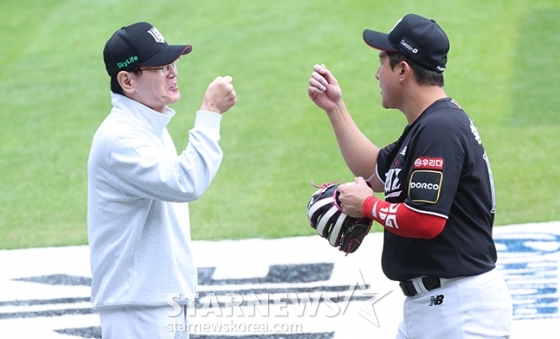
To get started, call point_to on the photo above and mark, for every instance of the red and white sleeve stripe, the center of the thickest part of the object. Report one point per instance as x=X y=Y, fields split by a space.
x=401 y=220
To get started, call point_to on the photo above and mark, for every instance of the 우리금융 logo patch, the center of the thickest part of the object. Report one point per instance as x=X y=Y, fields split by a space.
x=428 y=163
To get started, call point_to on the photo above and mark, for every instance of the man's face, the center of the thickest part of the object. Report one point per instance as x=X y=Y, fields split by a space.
x=156 y=87
x=388 y=81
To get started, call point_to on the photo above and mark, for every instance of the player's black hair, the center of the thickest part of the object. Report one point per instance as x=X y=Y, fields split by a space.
x=423 y=76
x=116 y=87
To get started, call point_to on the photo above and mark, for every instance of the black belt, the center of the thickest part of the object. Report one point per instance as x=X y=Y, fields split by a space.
x=429 y=283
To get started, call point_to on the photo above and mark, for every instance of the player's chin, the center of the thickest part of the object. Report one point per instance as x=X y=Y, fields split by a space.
x=386 y=104
x=173 y=95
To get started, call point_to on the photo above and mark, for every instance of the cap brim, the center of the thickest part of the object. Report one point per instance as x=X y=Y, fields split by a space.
x=168 y=55
x=378 y=40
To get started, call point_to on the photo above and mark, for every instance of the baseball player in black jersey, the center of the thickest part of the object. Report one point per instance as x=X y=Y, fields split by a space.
x=439 y=202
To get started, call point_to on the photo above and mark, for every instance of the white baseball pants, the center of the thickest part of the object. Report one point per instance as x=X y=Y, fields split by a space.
x=464 y=308
x=143 y=323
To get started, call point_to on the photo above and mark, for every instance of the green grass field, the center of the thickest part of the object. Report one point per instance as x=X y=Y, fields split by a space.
x=502 y=69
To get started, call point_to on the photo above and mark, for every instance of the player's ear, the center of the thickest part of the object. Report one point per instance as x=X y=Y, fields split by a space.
x=125 y=79
x=405 y=71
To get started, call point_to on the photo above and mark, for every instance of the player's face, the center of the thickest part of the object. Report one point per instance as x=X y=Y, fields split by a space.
x=157 y=87
x=388 y=81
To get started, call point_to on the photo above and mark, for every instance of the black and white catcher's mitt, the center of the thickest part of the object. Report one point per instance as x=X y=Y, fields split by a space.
x=325 y=216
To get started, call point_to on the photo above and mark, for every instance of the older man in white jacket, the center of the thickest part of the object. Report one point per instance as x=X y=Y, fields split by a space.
x=138 y=187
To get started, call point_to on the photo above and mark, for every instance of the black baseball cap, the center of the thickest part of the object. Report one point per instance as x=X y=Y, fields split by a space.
x=418 y=38
x=139 y=44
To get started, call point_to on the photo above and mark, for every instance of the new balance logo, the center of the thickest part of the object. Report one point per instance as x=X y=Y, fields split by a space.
x=437 y=300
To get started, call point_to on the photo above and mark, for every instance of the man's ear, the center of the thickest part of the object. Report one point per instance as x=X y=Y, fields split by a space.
x=405 y=71
x=126 y=80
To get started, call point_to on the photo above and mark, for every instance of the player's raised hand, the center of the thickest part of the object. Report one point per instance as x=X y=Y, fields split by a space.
x=220 y=95
x=323 y=88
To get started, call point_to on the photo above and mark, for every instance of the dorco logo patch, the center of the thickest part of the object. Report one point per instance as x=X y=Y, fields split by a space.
x=425 y=186
x=428 y=163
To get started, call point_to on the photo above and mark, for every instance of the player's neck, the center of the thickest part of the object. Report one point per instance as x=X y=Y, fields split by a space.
x=419 y=99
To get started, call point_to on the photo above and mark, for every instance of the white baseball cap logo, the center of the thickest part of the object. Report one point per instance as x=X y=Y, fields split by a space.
x=156 y=34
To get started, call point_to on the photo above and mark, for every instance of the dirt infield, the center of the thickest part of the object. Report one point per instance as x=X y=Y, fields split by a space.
x=271 y=289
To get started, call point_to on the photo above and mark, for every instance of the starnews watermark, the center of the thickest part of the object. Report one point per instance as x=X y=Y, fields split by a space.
x=277 y=303
x=232 y=326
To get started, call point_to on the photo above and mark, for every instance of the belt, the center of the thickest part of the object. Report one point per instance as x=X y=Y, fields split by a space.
x=419 y=285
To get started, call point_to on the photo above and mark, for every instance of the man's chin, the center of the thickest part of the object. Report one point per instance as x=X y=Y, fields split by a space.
x=174 y=98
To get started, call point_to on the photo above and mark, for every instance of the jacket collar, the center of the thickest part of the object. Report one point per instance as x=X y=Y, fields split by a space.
x=142 y=114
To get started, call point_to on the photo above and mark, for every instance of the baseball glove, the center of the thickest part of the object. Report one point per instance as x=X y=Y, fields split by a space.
x=325 y=216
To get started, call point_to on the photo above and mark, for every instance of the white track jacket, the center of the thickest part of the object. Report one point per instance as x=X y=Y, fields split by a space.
x=138 y=216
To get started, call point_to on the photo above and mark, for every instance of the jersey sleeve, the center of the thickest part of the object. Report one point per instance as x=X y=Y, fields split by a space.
x=435 y=162
x=381 y=164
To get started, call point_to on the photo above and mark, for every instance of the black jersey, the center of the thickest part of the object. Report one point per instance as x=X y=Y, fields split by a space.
x=438 y=166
